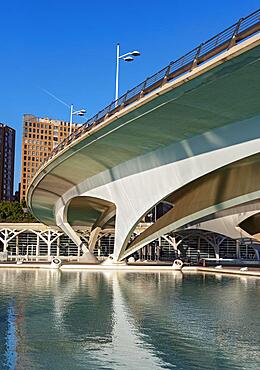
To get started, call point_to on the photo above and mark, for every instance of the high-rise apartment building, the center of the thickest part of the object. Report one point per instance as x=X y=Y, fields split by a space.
x=7 y=150
x=40 y=137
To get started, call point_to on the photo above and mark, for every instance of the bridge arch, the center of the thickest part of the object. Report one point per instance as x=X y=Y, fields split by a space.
x=203 y=197
x=191 y=116
x=88 y=211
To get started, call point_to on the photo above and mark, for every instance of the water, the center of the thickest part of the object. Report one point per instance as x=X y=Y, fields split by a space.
x=128 y=320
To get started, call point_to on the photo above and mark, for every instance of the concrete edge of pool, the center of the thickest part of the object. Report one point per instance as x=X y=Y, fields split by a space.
x=145 y=268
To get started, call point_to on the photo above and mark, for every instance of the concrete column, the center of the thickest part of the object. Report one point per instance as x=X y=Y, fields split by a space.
x=5 y=243
x=256 y=248
x=145 y=252
x=159 y=248
x=150 y=252
x=17 y=245
x=198 y=249
x=48 y=242
x=48 y=248
x=5 y=246
x=58 y=247
x=216 y=249
x=87 y=255
x=99 y=247
x=78 y=254
x=238 y=249
x=93 y=238
x=61 y=221
x=37 y=252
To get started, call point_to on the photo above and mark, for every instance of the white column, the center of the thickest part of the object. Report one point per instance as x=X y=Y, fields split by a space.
x=37 y=251
x=237 y=249
x=93 y=238
x=216 y=249
x=17 y=245
x=58 y=246
x=5 y=242
x=49 y=243
x=256 y=248
x=87 y=255
x=62 y=223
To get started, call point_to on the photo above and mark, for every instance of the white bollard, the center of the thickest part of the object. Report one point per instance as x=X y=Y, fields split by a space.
x=56 y=263
x=177 y=264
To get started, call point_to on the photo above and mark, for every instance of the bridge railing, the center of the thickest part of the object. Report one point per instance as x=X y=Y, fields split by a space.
x=223 y=41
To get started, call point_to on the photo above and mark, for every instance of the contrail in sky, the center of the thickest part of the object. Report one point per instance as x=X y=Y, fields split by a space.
x=55 y=97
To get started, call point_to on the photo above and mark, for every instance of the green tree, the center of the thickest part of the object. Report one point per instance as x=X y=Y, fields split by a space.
x=14 y=212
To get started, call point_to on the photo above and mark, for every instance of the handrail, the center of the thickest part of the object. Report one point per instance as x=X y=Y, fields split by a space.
x=226 y=39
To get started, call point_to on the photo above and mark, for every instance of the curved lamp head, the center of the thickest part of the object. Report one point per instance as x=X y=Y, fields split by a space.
x=136 y=53
x=128 y=59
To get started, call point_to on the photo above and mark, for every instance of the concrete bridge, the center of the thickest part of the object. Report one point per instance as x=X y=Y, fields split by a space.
x=187 y=136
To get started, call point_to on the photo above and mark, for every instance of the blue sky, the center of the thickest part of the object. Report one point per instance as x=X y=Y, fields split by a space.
x=68 y=48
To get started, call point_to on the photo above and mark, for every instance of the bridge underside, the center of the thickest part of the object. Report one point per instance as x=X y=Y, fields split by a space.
x=195 y=146
x=223 y=190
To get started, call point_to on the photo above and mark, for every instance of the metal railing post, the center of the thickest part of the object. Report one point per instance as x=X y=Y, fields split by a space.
x=234 y=35
x=195 y=60
x=165 y=78
x=143 y=88
x=95 y=119
x=124 y=100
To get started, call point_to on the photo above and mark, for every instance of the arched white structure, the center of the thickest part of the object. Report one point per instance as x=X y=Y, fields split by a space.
x=199 y=123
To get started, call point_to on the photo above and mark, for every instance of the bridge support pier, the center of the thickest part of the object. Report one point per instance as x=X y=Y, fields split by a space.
x=93 y=238
x=61 y=220
x=256 y=248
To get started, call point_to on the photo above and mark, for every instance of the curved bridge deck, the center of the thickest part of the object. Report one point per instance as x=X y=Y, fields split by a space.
x=199 y=115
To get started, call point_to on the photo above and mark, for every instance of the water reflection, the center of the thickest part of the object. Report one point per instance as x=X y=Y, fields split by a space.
x=132 y=320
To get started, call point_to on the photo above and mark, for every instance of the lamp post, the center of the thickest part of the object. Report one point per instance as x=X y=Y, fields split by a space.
x=127 y=57
x=80 y=112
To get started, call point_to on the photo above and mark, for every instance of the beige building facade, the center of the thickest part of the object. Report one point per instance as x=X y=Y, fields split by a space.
x=40 y=137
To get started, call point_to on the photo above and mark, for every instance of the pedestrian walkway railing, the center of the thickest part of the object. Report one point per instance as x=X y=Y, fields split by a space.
x=225 y=40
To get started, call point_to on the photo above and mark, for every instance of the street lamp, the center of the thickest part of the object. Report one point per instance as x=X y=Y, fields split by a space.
x=73 y=112
x=127 y=57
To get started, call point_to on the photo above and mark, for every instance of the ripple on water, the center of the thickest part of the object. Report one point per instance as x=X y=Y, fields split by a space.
x=128 y=320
